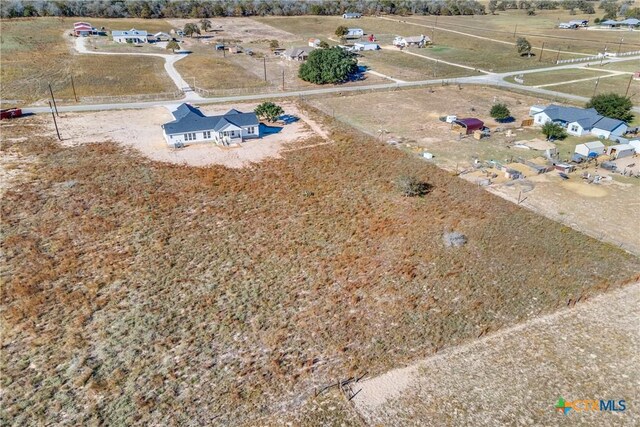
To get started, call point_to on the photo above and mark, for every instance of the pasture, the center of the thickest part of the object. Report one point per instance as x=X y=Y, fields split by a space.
x=168 y=294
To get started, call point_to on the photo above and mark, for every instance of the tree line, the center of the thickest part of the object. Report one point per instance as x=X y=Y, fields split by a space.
x=148 y=9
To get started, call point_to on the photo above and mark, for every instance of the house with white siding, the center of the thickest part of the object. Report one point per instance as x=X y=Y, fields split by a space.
x=579 y=121
x=130 y=36
x=191 y=126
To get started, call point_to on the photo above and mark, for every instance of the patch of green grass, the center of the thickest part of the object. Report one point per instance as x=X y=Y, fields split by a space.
x=548 y=77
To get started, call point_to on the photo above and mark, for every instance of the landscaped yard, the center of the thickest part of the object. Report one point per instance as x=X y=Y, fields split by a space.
x=138 y=292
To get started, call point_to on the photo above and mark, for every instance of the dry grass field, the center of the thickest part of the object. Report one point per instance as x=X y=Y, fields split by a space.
x=137 y=292
x=516 y=376
x=212 y=71
x=39 y=51
x=548 y=77
x=616 y=84
x=408 y=67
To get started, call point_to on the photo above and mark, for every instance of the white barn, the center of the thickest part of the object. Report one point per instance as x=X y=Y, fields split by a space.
x=191 y=127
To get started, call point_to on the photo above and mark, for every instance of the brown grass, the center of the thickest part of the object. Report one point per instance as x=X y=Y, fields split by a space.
x=36 y=52
x=213 y=71
x=139 y=292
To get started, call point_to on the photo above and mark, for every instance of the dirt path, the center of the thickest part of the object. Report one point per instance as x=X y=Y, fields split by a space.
x=169 y=61
x=447 y=62
x=375 y=73
x=515 y=376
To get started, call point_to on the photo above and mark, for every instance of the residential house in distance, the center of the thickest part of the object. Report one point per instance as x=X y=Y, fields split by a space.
x=314 y=42
x=191 y=127
x=297 y=53
x=131 y=36
x=83 y=29
x=351 y=15
x=580 y=22
x=365 y=46
x=579 y=121
x=419 y=41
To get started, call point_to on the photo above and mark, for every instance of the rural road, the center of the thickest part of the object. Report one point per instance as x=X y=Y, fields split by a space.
x=496 y=79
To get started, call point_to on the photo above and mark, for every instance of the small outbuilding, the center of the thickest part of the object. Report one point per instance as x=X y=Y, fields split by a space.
x=590 y=149
x=366 y=46
x=351 y=15
x=314 y=42
x=621 y=150
x=469 y=124
x=636 y=145
x=354 y=32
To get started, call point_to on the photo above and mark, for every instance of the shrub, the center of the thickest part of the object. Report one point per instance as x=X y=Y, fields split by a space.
x=173 y=45
x=523 y=46
x=500 y=112
x=269 y=111
x=333 y=65
x=274 y=44
x=410 y=186
x=341 y=31
x=553 y=130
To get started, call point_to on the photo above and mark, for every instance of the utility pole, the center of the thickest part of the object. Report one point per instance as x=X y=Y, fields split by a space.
x=558 y=57
x=514 y=31
x=603 y=54
x=73 y=86
x=595 y=87
x=54 y=100
x=435 y=69
x=541 y=51
x=283 y=80
x=54 y=121
x=620 y=45
x=628 y=86
x=264 y=63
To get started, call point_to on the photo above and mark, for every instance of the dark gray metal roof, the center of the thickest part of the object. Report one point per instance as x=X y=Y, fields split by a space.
x=190 y=119
x=588 y=118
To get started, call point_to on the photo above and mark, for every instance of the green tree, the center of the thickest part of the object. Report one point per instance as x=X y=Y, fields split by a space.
x=323 y=44
x=273 y=44
x=269 y=111
x=333 y=65
x=342 y=31
x=612 y=105
x=205 y=24
x=553 y=130
x=523 y=46
x=500 y=112
x=493 y=5
x=173 y=45
x=190 y=29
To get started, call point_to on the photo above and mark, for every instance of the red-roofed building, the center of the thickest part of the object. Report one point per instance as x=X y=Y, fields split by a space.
x=82 y=29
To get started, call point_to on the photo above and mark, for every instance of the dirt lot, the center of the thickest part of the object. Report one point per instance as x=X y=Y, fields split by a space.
x=414 y=125
x=516 y=376
x=140 y=129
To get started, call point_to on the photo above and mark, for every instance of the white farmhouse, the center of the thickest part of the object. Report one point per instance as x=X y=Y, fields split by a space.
x=191 y=127
x=590 y=149
x=580 y=121
x=131 y=36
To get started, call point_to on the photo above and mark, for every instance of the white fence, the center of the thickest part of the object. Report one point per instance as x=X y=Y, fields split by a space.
x=597 y=57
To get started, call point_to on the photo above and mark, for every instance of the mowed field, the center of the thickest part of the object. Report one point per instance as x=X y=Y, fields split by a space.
x=138 y=292
x=36 y=52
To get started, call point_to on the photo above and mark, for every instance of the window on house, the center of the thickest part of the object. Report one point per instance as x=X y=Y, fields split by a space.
x=190 y=136
x=251 y=129
x=574 y=128
x=207 y=134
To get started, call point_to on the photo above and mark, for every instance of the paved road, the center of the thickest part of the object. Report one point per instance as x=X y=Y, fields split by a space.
x=496 y=79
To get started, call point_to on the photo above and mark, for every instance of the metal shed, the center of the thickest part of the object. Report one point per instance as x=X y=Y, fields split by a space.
x=470 y=124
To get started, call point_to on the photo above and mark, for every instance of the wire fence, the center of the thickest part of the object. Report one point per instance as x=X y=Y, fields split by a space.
x=597 y=57
x=162 y=96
